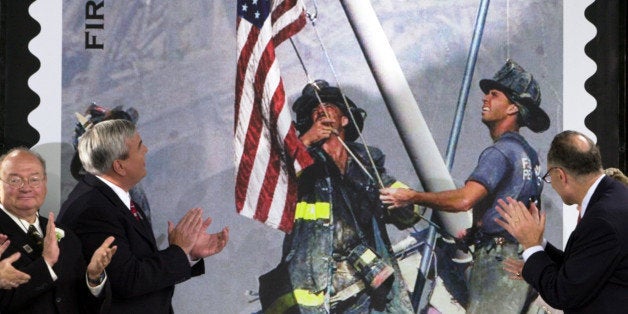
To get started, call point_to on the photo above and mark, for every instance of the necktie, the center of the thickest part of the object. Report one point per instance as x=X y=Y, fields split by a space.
x=135 y=212
x=34 y=235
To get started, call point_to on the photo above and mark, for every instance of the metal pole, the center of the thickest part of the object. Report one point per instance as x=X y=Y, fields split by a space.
x=404 y=110
x=466 y=83
x=415 y=135
x=453 y=142
x=431 y=170
x=426 y=260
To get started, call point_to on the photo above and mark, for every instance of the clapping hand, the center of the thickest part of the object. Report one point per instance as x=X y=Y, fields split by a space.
x=514 y=267
x=527 y=226
x=51 y=245
x=101 y=258
x=9 y=276
x=185 y=233
x=209 y=244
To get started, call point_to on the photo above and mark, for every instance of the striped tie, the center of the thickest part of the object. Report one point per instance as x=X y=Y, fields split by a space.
x=36 y=237
x=135 y=212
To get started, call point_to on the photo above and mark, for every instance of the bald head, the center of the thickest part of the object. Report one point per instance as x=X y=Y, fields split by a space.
x=23 y=151
x=576 y=153
x=23 y=187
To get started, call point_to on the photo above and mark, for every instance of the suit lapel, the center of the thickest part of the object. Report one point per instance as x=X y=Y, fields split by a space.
x=142 y=226
x=144 y=222
x=17 y=236
x=597 y=194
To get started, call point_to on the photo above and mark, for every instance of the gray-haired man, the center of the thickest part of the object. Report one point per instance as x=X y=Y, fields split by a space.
x=142 y=276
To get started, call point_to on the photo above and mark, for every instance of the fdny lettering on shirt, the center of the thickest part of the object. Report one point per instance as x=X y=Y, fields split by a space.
x=527 y=168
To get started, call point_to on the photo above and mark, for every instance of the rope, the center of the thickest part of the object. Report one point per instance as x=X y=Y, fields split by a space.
x=312 y=18
x=320 y=101
x=507 y=29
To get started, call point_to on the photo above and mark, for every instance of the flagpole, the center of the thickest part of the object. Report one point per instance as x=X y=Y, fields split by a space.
x=466 y=83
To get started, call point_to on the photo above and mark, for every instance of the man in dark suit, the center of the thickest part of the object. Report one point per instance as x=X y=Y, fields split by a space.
x=9 y=276
x=60 y=281
x=591 y=275
x=142 y=276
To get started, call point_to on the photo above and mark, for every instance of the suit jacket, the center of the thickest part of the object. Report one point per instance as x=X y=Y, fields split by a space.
x=68 y=294
x=142 y=276
x=591 y=275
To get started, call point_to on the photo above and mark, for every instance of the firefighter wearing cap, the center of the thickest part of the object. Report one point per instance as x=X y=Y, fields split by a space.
x=508 y=168
x=338 y=257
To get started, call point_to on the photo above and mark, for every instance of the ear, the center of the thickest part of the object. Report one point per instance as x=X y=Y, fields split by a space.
x=118 y=167
x=344 y=121
x=512 y=109
x=562 y=175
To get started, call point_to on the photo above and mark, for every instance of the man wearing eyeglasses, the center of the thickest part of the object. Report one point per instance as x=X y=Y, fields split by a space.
x=591 y=275
x=510 y=167
x=60 y=281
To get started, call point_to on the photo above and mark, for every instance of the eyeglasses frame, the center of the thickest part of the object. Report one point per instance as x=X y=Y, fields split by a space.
x=23 y=182
x=546 y=177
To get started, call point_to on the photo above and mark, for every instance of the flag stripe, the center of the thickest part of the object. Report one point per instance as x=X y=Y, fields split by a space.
x=270 y=174
x=285 y=27
x=248 y=128
x=257 y=136
x=273 y=172
x=266 y=145
x=244 y=56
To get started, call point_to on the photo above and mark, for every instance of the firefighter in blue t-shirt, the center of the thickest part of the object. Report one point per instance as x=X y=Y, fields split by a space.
x=510 y=167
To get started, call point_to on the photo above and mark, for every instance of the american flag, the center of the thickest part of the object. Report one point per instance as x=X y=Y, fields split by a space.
x=268 y=152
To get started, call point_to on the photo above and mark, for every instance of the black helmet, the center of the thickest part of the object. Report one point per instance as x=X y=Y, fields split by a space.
x=521 y=88
x=304 y=105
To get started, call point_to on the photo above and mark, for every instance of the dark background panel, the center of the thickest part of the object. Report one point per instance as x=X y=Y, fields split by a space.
x=608 y=84
x=17 y=64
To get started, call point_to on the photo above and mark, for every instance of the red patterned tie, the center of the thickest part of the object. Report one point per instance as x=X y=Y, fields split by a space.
x=134 y=211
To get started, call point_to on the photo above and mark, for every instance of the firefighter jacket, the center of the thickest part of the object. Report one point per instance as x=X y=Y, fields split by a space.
x=336 y=216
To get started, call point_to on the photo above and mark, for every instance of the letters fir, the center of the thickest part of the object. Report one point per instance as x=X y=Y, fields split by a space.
x=94 y=24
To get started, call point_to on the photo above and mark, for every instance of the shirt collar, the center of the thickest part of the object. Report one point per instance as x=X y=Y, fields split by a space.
x=123 y=195
x=23 y=224
x=587 y=197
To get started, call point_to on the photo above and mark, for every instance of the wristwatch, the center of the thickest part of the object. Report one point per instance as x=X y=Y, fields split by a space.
x=97 y=281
